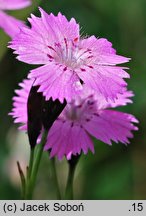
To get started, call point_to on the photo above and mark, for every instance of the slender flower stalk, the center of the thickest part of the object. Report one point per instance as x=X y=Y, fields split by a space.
x=32 y=152
x=69 y=187
x=55 y=179
x=36 y=163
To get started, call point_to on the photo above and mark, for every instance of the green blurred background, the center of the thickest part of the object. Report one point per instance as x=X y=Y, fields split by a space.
x=116 y=172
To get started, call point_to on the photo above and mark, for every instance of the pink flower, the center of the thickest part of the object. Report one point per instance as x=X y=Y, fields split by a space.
x=8 y=23
x=68 y=60
x=87 y=115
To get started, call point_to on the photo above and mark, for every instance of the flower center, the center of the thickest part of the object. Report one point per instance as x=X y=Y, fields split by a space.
x=70 y=54
x=80 y=110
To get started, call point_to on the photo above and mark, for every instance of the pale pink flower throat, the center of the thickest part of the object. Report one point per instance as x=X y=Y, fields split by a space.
x=70 y=54
x=80 y=112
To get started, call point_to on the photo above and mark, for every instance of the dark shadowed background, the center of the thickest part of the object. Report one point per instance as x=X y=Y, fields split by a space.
x=113 y=172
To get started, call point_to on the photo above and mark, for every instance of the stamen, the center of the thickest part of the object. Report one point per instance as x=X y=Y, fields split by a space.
x=66 y=46
x=66 y=43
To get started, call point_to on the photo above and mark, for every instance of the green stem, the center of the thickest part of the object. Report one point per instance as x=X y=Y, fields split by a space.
x=22 y=177
x=55 y=178
x=29 y=171
x=30 y=163
x=35 y=167
x=69 y=187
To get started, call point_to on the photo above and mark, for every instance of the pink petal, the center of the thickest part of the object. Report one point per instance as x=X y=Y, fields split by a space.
x=37 y=51
x=65 y=139
x=102 y=51
x=120 y=100
x=32 y=44
x=55 y=82
x=112 y=126
x=101 y=45
x=14 y=4
x=19 y=110
x=103 y=81
x=10 y=24
x=60 y=27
